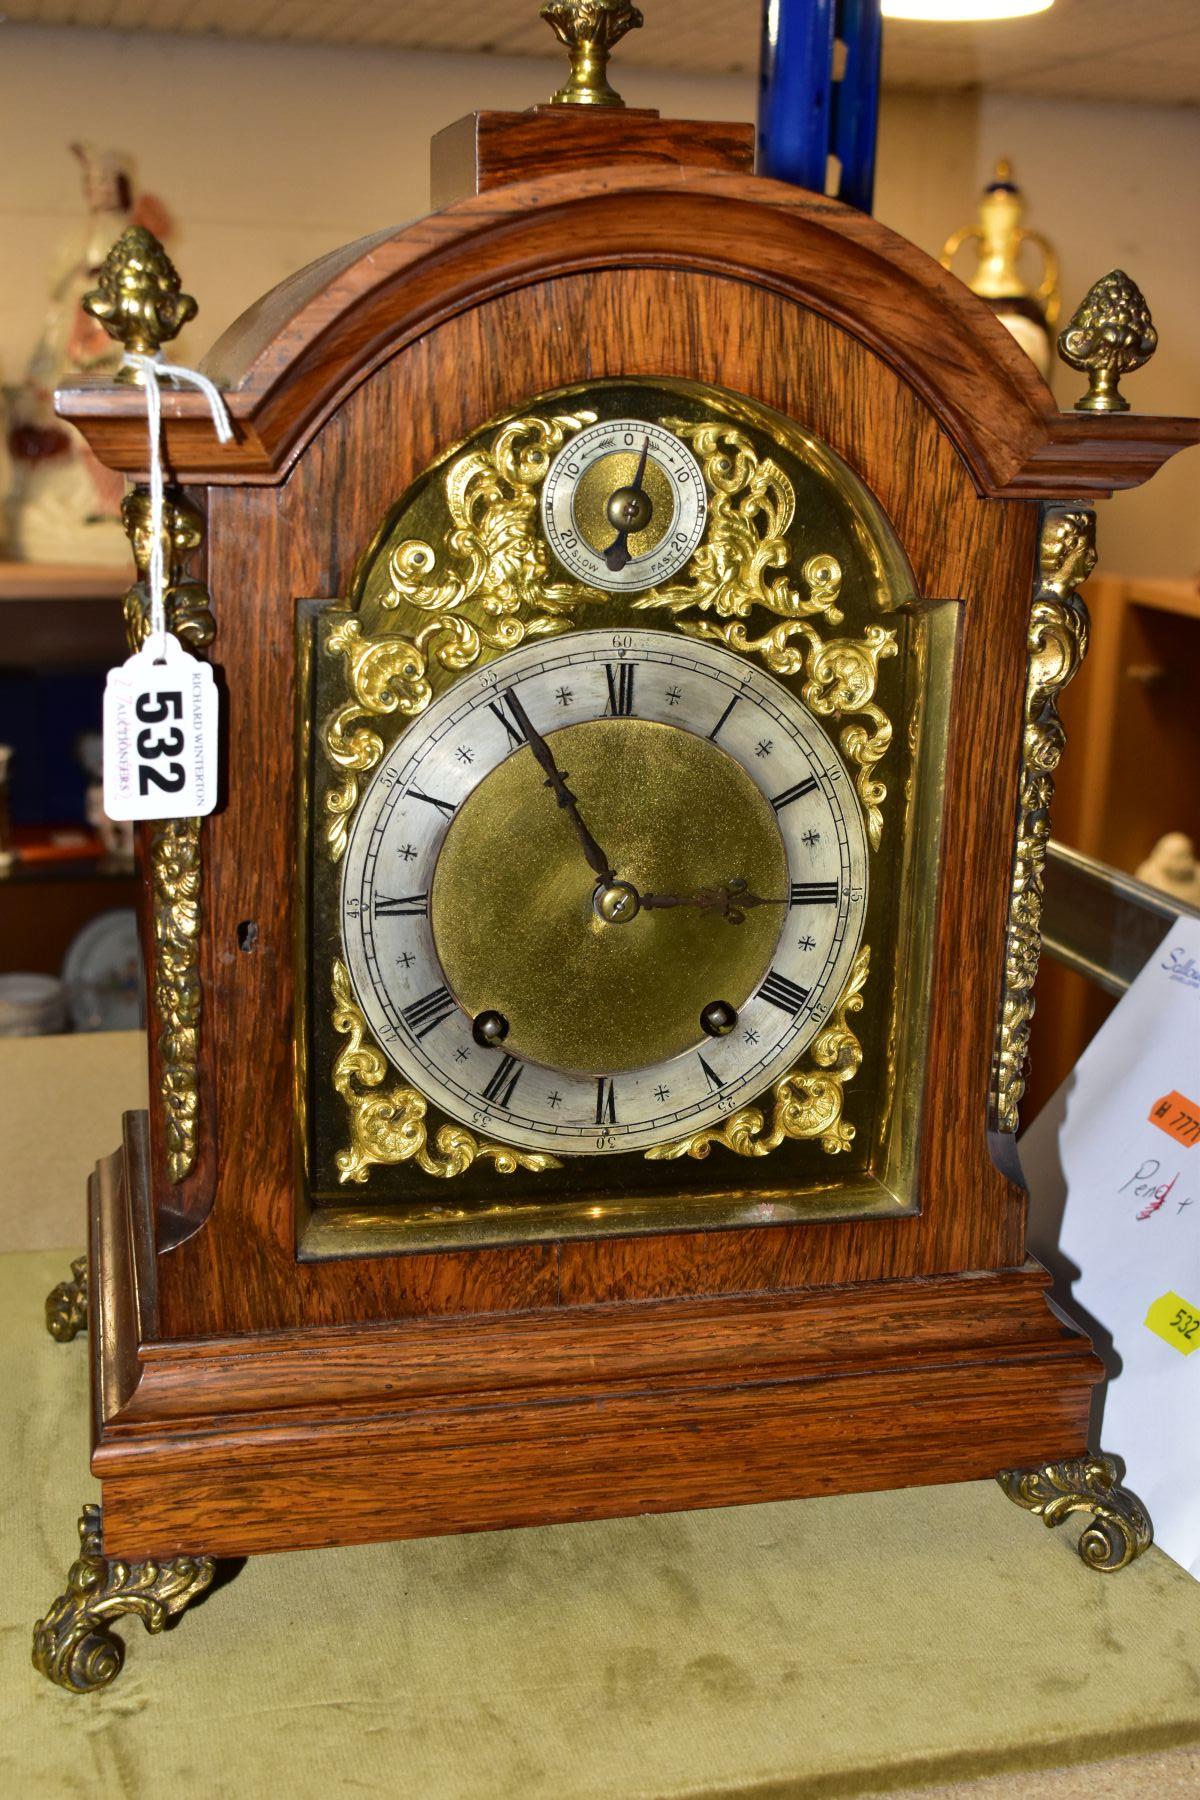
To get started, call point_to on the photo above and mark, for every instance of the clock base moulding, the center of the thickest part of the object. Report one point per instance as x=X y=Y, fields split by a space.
x=231 y=1446
x=76 y=1647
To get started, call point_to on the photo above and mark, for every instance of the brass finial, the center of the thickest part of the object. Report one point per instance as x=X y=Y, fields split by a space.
x=139 y=301
x=1110 y=334
x=590 y=29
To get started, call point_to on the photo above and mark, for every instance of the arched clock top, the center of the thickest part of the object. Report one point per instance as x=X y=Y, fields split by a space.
x=291 y=361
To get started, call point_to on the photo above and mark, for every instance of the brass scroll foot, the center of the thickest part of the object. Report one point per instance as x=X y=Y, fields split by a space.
x=67 y=1305
x=74 y=1645
x=1120 y=1529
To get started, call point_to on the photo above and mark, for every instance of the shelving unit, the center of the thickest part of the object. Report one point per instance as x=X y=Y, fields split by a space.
x=58 y=616
x=49 y=616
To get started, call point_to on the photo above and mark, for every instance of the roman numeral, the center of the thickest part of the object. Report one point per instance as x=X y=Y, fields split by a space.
x=606 y=1101
x=411 y=906
x=814 y=893
x=620 y=689
x=783 y=993
x=513 y=726
x=710 y=1075
x=443 y=806
x=499 y=1089
x=794 y=793
x=423 y=1015
x=716 y=728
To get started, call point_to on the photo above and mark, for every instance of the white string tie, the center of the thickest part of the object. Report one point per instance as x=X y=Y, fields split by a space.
x=154 y=371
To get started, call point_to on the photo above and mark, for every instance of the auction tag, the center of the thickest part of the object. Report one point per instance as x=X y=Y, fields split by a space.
x=1176 y=1323
x=1178 y=1117
x=160 y=735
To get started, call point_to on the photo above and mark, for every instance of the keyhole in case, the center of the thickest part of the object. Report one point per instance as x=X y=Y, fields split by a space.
x=247 y=935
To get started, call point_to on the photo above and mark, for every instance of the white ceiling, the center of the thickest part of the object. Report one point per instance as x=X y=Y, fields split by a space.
x=1146 y=50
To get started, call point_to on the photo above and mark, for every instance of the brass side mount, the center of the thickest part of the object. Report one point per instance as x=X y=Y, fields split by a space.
x=590 y=29
x=1056 y=643
x=189 y=612
x=140 y=302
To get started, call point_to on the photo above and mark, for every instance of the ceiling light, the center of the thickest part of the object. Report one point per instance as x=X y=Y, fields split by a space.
x=963 y=12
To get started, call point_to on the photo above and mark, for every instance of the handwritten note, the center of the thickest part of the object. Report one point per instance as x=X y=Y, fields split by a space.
x=1114 y=1179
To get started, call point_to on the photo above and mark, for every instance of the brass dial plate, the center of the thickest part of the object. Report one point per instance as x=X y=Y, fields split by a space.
x=512 y=907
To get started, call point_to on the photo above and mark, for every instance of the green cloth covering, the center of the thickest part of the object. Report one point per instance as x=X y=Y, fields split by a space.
x=816 y=1647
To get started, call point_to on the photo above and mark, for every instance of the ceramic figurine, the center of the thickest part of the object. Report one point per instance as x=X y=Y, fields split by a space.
x=65 y=506
x=998 y=234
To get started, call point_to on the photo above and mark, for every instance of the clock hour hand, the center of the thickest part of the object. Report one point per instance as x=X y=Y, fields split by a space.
x=730 y=900
x=629 y=509
x=557 y=782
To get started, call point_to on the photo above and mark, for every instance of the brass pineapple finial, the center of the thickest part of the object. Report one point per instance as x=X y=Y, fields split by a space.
x=590 y=29
x=139 y=301
x=1110 y=334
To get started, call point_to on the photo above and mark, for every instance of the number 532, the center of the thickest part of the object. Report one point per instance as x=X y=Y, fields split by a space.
x=159 y=739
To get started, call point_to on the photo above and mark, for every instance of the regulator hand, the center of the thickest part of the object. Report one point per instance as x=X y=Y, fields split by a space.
x=629 y=509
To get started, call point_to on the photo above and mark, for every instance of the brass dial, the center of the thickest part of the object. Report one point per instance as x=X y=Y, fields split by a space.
x=584 y=988
x=604 y=892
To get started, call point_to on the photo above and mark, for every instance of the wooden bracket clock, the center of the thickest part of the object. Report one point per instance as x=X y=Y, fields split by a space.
x=587 y=1038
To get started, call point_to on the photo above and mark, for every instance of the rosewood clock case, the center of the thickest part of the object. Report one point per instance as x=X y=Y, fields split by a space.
x=252 y=1394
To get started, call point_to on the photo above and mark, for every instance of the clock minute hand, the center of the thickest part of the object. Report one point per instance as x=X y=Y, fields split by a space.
x=731 y=900
x=557 y=782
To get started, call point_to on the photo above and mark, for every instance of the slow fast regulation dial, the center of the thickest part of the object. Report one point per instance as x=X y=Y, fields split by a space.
x=623 y=505
x=604 y=892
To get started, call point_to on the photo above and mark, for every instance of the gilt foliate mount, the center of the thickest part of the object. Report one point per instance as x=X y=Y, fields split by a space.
x=388 y=1125
x=493 y=587
x=176 y=853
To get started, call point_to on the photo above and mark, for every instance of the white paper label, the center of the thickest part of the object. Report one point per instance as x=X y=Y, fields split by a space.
x=160 y=736
x=1113 y=1165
